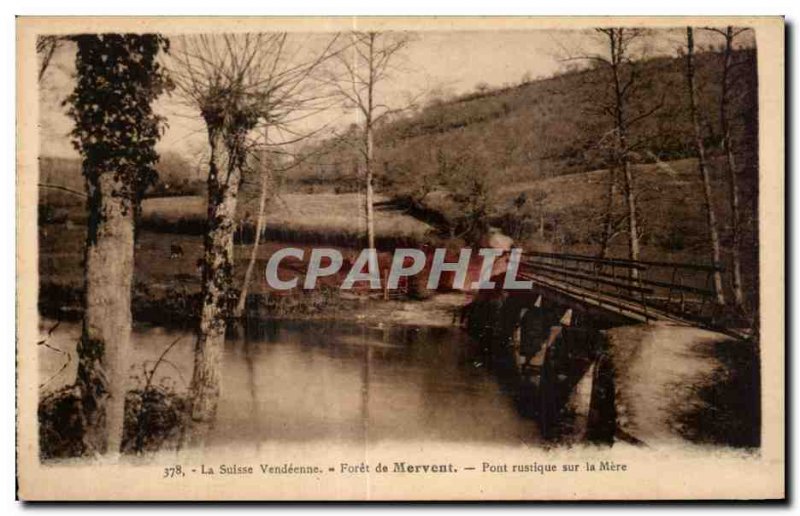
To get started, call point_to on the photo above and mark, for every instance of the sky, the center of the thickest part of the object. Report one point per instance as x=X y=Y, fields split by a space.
x=452 y=62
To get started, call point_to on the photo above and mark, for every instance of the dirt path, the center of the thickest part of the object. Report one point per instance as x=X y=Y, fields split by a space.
x=662 y=372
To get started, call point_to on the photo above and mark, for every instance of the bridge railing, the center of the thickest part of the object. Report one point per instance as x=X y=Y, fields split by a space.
x=644 y=287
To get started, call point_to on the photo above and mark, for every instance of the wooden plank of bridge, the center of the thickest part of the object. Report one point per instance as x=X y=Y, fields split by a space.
x=602 y=301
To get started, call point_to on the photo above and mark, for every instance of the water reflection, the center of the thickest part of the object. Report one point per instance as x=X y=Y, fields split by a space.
x=306 y=381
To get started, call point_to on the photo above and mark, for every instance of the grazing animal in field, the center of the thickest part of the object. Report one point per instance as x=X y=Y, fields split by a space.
x=175 y=251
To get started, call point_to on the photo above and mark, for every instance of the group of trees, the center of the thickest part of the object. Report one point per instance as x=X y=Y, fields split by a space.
x=245 y=87
x=632 y=109
x=625 y=78
x=618 y=108
x=368 y=63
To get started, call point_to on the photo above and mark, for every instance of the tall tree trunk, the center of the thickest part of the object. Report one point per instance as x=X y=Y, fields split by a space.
x=702 y=166
x=262 y=204
x=117 y=80
x=608 y=222
x=730 y=166
x=107 y=319
x=224 y=177
x=633 y=222
x=623 y=160
x=370 y=214
x=368 y=141
x=541 y=224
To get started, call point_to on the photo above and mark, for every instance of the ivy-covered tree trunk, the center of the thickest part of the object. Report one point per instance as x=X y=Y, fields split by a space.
x=224 y=177
x=107 y=321
x=115 y=132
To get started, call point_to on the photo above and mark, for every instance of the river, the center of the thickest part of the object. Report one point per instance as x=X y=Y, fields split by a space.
x=311 y=381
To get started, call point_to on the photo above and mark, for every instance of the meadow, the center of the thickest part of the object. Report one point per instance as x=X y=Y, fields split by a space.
x=321 y=218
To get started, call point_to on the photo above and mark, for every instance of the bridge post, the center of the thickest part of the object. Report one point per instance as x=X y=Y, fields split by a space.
x=566 y=319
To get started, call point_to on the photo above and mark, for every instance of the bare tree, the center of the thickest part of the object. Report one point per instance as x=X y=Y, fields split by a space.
x=729 y=33
x=46 y=47
x=619 y=40
x=236 y=82
x=367 y=64
x=702 y=165
x=264 y=193
x=301 y=93
x=217 y=76
x=625 y=82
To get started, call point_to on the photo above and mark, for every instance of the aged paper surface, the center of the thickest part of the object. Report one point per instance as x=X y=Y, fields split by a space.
x=638 y=167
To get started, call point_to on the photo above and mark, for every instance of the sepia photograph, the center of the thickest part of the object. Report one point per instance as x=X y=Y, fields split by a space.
x=422 y=259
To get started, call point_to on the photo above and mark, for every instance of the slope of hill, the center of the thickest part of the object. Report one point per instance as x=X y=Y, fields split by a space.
x=543 y=128
x=533 y=160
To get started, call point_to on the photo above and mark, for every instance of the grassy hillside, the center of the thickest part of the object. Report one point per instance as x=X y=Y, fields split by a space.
x=533 y=159
x=547 y=128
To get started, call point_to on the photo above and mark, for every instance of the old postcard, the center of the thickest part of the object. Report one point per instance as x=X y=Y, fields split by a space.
x=400 y=259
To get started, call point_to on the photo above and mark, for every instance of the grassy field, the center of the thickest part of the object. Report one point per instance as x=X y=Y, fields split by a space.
x=325 y=217
x=550 y=127
x=166 y=288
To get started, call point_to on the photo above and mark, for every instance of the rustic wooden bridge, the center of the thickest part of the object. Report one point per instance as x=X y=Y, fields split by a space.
x=547 y=343
x=634 y=289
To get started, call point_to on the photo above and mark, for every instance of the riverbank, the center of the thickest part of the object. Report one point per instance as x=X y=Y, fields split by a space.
x=172 y=308
x=167 y=275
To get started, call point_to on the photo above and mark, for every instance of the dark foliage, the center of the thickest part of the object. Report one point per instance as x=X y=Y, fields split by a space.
x=115 y=127
x=729 y=410
x=61 y=425
x=155 y=418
